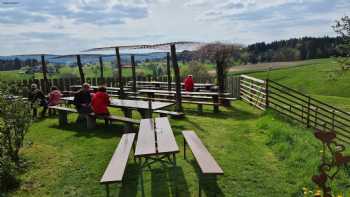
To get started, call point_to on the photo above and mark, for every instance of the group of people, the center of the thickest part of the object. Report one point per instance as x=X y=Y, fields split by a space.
x=85 y=100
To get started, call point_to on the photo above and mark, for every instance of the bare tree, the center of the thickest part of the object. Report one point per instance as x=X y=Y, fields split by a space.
x=222 y=55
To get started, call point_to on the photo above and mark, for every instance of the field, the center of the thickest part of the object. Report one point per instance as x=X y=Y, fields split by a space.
x=322 y=79
x=258 y=157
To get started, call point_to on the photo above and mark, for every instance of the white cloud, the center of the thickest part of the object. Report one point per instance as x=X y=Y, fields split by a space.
x=81 y=24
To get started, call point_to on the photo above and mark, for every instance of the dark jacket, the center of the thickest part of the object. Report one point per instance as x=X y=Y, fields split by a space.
x=82 y=97
x=37 y=95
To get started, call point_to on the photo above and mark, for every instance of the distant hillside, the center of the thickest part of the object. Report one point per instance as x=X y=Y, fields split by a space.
x=93 y=58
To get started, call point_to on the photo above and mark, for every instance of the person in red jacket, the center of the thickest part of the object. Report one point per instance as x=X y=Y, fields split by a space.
x=100 y=102
x=188 y=83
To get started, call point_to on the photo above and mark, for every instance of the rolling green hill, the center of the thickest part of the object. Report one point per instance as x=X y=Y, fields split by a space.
x=322 y=79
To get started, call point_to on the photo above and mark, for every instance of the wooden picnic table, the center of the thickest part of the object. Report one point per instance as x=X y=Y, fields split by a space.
x=156 y=143
x=159 y=83
x=144 y=107
x=76 y=87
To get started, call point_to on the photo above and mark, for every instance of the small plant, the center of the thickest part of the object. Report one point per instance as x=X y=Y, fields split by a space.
x=15 y=119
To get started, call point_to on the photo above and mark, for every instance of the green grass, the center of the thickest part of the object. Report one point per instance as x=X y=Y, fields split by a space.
x=322 y=79
x=261 y=155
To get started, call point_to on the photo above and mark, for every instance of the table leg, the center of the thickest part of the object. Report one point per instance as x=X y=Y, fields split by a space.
x=127 y=112
x=216 y=103
x=143 y=113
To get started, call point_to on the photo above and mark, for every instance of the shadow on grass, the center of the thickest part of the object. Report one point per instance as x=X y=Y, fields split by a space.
x=101 y=130
x=164 y=183
x=208 y=184
x=230 y=113
x=129 y=187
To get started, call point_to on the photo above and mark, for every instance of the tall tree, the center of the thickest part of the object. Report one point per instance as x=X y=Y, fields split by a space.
x=221 y=54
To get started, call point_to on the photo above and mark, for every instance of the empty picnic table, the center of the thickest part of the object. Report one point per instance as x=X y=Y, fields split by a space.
x=128 y=105
x=160 y=83
x=214 y=95
x=156 y=143
x=76 y=87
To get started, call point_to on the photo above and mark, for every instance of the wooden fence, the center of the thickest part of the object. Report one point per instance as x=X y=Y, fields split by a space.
x=231 y=83
x=308 y=111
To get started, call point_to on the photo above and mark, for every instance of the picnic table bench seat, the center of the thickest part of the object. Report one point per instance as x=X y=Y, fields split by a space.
x=115 y=170
x=91 y=120
x=63 y=113
x=206 y=162
x=164 y=113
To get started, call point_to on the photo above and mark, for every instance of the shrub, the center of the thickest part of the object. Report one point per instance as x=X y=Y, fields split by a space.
x=199 y=71
x=15 y=119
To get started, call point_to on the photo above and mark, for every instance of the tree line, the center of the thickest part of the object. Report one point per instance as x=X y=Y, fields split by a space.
x=15 y=64
x=284 y=50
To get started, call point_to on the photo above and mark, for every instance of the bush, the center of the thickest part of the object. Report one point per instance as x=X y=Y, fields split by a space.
x=15 y=119
x=199 y=71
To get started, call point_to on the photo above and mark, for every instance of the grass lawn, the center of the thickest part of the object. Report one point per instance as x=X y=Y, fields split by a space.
x=261 y=155
x=322 y=79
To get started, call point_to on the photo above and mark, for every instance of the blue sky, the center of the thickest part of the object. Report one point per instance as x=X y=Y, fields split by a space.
x=69 y=26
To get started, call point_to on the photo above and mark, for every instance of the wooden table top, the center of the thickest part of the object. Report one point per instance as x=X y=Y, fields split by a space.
x=148 y=137
x=165 y=83
x=95 y=87
x=136 y=104
x=183 y=92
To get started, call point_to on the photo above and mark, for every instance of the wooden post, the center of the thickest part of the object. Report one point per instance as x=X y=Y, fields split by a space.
x=266 y=93
x=220 y=77
x=101 y=68
x=81 y=72
x=119 y=65
x=308 y=111
x=133 y=69
x=178 y=105
x=168 y=70
x=44 y=69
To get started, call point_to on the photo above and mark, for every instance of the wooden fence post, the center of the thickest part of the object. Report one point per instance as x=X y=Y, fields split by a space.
x=133 y=69
x=308 y=111
x=266 y=93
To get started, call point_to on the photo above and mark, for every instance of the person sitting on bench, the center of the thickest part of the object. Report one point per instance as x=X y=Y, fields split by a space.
x=54 y=97
x=100 y=102
x=36 y=97
x=188 y=83
x=82 y=102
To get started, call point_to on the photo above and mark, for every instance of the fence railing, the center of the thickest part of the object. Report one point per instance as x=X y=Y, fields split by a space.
x=307 y=110
x=253 y=91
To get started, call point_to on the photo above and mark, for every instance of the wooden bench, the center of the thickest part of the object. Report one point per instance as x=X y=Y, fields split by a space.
x=165 y=113
x=63 y=113
x=115 y=170
x=91 y=121
x=207 y=164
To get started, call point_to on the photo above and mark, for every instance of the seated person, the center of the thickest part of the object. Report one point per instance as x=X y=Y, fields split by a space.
x=54 y=96
x=82 y=101
x=188 y=83
x=36 y=97
x=100 y=102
